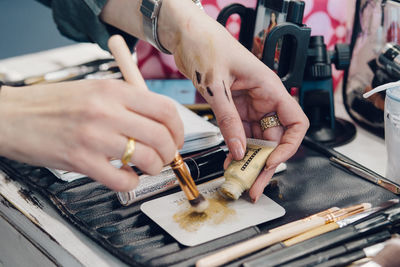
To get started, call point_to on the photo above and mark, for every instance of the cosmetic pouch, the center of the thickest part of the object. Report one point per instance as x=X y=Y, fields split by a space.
x=310 y=184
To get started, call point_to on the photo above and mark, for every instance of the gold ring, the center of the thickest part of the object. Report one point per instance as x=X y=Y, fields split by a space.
x=269 y=122
x=129 y=149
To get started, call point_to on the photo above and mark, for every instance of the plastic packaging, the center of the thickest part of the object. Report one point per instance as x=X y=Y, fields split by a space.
x=392 y=133
x=392 y=128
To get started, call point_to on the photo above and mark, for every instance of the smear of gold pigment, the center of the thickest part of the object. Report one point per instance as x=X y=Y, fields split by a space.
x=216 y=213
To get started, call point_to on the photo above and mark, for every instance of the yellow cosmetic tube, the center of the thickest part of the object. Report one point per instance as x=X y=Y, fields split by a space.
x=241 y=174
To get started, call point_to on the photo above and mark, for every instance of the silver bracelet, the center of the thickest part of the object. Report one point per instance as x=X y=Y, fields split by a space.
x=198 y=3
x=150 y=10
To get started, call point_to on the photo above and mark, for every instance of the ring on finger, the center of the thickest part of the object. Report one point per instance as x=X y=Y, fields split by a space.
x=269 y=122
x=129 y=150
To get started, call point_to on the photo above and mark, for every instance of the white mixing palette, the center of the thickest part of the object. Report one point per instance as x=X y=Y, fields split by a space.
x=234 y=216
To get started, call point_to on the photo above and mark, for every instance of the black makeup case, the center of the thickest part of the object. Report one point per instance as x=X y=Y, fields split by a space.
x=310 y=184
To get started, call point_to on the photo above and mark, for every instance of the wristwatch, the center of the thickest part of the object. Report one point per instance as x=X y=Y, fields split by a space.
x=150 y=10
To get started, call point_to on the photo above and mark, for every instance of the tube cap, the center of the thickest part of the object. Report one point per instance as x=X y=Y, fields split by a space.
x=231 y=189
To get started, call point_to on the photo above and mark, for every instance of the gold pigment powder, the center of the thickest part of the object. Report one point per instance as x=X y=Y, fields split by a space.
x=216 y=213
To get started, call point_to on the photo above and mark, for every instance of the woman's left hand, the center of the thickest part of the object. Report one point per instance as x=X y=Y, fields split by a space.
x=240 y=88
x=241 y=91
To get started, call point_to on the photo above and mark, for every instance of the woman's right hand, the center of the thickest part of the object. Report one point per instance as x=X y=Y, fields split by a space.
x=79 y=126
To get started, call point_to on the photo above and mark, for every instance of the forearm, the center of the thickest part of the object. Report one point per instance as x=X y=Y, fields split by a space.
x=125 y=15
x=7 y=107
x=173 y=23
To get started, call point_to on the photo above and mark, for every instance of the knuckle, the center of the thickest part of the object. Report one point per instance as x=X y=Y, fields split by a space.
x=85 y=136
x=95 y=108
x=121 y=186
x=108 y=85
x=306 y=122
x=108 y=89
x=91 y=105
x=161 y=136
x=170 y=156
x=124 y=185
x=181 y=137
x=168 y=109
x=226 y=120
x=150 y=162
x=163 y=144
x=77 y=159
x=173 y=123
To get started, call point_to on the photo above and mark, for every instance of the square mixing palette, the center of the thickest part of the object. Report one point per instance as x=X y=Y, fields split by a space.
x=222 y=217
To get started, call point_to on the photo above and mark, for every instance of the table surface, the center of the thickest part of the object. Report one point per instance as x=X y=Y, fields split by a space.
x=56 y=237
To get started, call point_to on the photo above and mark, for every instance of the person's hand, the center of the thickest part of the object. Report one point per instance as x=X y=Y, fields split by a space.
x=79 y=126
x=241 y=90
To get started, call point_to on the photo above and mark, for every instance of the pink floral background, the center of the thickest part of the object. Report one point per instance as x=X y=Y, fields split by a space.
x=330 y=18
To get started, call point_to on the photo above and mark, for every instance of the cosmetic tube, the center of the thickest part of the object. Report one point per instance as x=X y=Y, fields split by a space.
x=203 y=166
x=241 y=174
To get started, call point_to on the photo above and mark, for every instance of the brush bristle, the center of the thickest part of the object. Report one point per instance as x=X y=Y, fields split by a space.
x=367 y=206
x=199 y=204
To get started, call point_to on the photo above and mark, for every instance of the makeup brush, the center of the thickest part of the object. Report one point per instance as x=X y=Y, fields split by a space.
x=261 y=241
x=131 y=74
x=196 y=199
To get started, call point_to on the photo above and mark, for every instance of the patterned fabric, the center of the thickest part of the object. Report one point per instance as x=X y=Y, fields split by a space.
x=330 y=18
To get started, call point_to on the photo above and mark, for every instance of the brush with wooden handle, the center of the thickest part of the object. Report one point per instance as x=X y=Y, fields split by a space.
x=270 y=238
x=131 y=74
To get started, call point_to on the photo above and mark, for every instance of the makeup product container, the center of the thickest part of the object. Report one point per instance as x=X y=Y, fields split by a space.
x=241 y=174
x=392 y=126
x=392 y=133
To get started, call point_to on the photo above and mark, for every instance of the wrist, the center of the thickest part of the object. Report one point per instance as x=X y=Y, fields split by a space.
x=173 y=24
x=126 y=15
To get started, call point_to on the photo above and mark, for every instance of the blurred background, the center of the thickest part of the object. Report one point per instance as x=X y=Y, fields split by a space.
x=26 y=26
